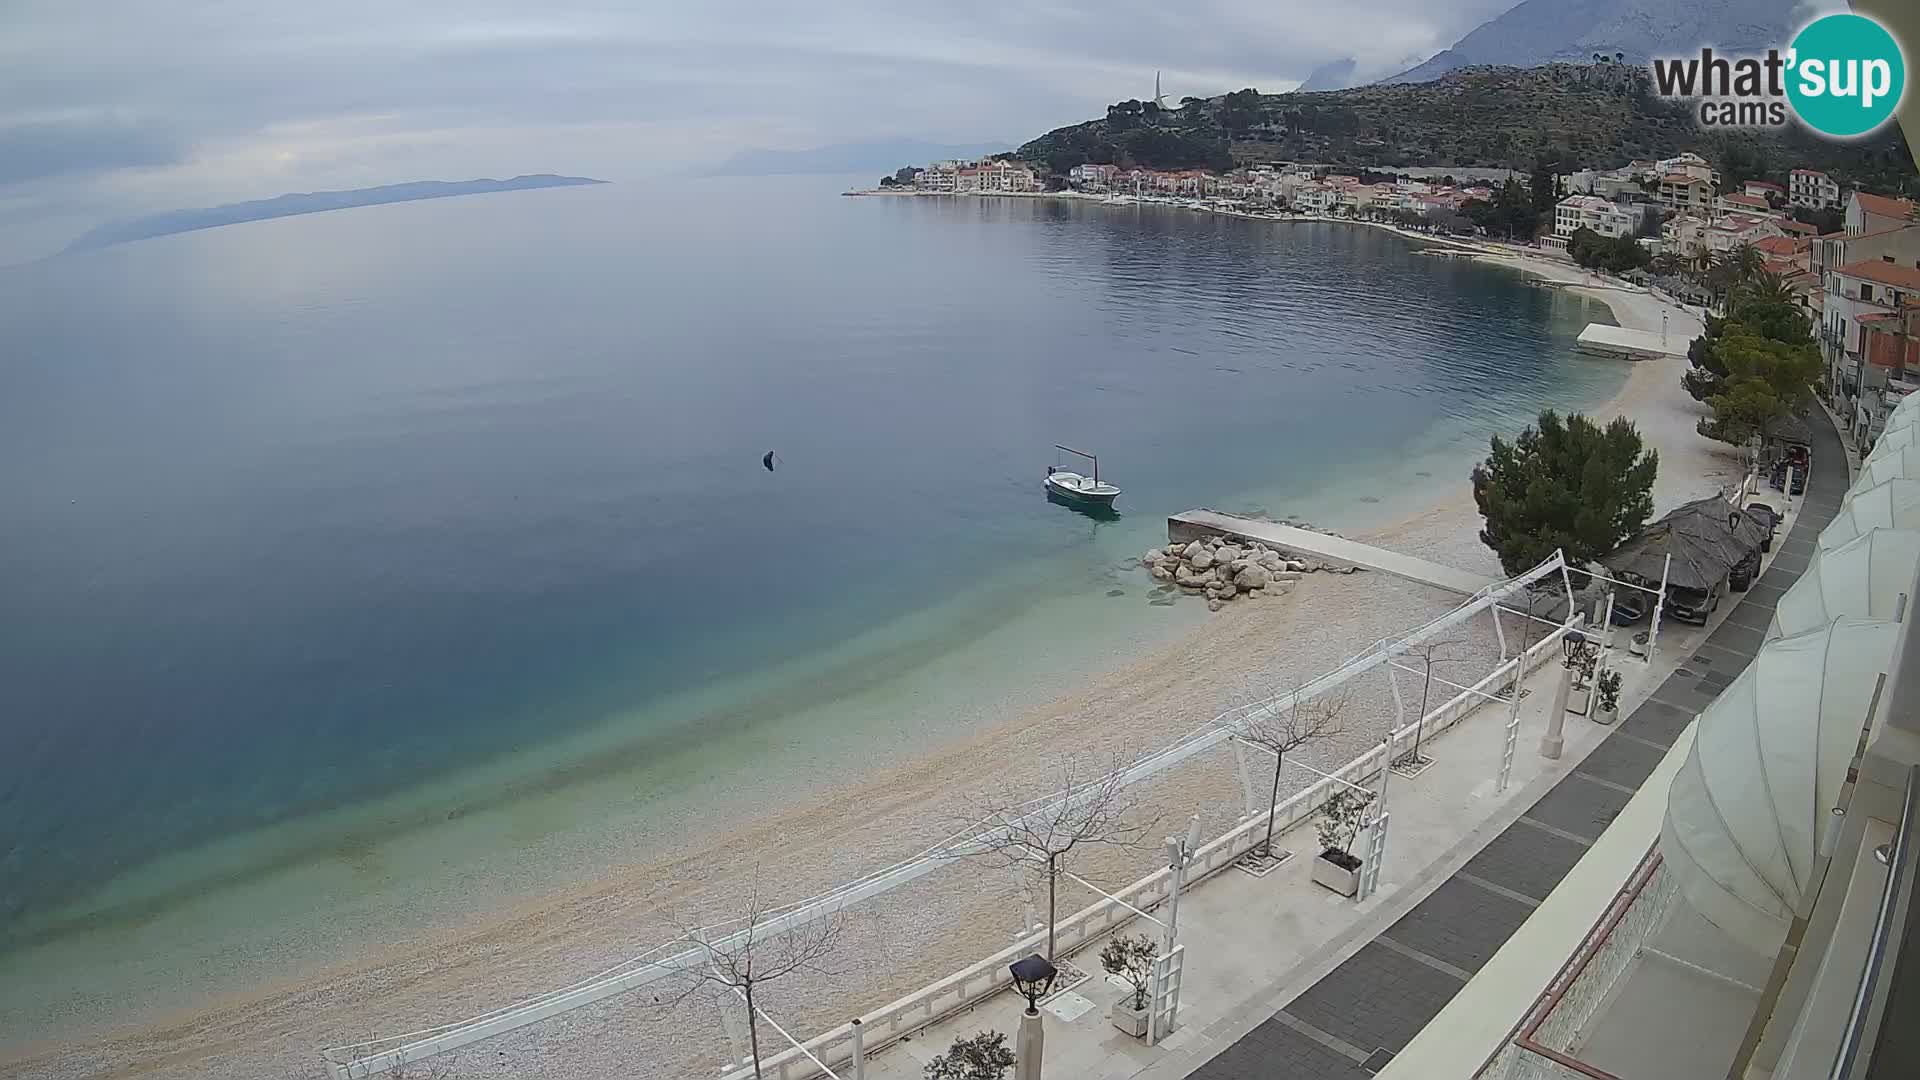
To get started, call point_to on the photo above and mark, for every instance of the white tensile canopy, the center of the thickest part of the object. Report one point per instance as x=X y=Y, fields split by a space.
x=1894 y=504
x=1862 y=578
x=1748 y=810
x=1898 y=464
x=1894 y=440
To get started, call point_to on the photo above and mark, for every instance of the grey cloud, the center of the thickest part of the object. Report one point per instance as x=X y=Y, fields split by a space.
x=296 y=84
x=39 y=149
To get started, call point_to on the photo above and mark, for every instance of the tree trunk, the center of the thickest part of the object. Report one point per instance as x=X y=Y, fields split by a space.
x=1273 y=806
x=1420 y=721
x=753 y=1032
x=1052 y=876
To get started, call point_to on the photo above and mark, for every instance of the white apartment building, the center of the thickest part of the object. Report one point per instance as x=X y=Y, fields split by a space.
x=1812 y=188
x=1689 y=164
x=1735 y=230
x=1607 y=184
x=1007 y=176
x=1576 y=212
x=1316 y=197
x=1856 y=276
x=941 y=176
x=1092 y=175
x=1685 y=193
x=1874 y=213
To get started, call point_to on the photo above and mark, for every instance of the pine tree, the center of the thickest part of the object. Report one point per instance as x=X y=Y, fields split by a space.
x=1567 y=485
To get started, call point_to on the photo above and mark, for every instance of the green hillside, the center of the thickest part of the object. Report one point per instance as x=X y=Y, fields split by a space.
x=1597 y=115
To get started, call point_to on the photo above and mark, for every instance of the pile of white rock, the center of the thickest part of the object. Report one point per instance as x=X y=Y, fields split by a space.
x=1224 y=569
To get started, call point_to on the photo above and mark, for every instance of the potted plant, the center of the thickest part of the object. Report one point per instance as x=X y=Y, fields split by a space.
x=1580 y=694
x=1608 y=708
x=1340 y=819
x=1131 y=958
x=973 y=1057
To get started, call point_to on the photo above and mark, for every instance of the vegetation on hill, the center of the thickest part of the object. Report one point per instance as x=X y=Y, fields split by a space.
x=1564 y=116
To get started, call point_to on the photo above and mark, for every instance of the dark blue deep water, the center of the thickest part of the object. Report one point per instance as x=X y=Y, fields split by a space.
x=304 y=512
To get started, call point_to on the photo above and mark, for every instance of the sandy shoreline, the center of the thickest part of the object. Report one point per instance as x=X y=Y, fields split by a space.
x=926 y=930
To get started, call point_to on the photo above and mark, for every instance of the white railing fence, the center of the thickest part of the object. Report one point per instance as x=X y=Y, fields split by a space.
x=933 y=1003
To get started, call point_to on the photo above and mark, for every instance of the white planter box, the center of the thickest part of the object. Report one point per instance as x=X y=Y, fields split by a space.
x=1605 y=716
x=1128 y=1019
x=1339 y=879
x=1578 y=698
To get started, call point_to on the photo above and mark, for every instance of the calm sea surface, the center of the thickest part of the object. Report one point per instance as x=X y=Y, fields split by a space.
x=436 y=506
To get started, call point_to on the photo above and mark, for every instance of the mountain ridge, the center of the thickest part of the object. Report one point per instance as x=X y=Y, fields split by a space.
x=1582 y=115
x=1536 y=32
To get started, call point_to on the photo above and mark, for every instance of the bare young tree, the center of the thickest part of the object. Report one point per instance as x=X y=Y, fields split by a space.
x=1439 y=651
x=1090 y=808
x=741 y=956
x=1280 y=730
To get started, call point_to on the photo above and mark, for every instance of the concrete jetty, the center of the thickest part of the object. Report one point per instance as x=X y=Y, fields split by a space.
x=1620 y=342
x=1319 y=547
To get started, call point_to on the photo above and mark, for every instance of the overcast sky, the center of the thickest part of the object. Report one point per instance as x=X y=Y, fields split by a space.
x=112 y=108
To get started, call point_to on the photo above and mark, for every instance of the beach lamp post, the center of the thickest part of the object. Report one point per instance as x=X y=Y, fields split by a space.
x=1554 y=741
x=1032 y=977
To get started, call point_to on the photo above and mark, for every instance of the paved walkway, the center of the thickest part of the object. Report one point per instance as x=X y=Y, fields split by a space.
x=1324 y=548
x=1350 y=1023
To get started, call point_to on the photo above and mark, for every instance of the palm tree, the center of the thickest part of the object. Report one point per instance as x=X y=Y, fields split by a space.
x=1767 y=287
x=1747 y=261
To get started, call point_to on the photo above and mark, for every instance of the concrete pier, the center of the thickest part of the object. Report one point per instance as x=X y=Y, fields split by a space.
x=1619 y=342
x=1321 y=548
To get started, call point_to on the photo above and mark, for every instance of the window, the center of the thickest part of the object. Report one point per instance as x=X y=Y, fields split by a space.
x=1866 y=291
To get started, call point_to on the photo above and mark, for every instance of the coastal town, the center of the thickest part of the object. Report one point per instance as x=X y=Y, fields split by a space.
x=1850 y=258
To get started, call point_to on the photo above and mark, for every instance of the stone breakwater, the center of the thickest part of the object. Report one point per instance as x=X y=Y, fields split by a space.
x=1226 y=570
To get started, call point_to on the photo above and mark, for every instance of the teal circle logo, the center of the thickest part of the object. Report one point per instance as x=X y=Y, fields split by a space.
x=1846 y=75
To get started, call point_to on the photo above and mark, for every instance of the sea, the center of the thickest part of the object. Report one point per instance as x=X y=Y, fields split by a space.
x=360 y=563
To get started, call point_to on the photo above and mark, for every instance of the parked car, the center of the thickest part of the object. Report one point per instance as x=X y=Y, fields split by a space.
x=1767 y=516
x=1694 y=605
x=1740 y=578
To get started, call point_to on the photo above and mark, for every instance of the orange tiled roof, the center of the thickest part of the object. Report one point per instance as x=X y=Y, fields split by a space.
x=1884 y=273
x=1882 y=206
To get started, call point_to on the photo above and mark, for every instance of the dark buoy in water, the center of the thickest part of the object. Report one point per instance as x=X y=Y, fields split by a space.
x=768 y=461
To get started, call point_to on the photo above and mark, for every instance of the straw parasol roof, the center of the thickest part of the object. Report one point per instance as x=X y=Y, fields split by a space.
x=1705 y=537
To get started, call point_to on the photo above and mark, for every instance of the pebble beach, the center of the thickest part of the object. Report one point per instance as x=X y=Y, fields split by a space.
x=1126 y=704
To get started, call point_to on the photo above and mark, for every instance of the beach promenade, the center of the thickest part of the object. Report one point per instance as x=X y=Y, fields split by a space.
x=1287 y=981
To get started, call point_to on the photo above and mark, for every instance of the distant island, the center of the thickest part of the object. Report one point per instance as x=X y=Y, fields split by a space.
x=311 y=202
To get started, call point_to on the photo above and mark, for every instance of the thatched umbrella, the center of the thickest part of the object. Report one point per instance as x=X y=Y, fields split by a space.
x=1706 y=538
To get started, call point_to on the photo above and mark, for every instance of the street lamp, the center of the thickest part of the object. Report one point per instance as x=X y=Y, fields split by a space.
x=1032 y=977
x=1576 y=647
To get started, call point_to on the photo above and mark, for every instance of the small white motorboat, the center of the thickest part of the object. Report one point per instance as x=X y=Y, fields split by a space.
x=1079 y=488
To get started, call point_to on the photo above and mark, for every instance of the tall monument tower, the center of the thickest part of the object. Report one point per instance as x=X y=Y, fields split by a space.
x=1159 y=98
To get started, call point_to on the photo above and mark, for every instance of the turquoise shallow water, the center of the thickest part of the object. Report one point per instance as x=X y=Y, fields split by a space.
x=432 y=524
